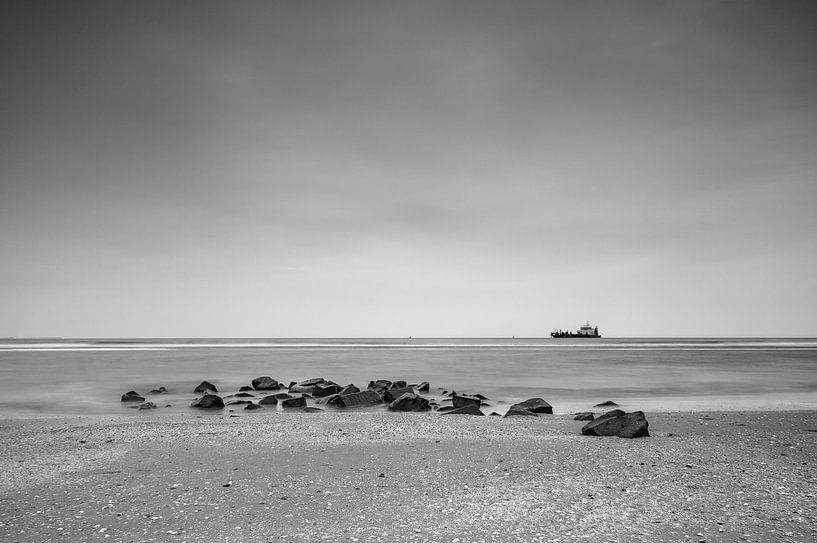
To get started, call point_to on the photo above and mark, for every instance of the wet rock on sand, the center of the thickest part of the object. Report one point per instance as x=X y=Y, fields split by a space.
x=409 y=402
x=293 y=402
x=265 y=383
x=586 y=415
x=618 y=423
x=608 y=403
x=516 y=411
x=205 y=386
x=462 y=401
x=365 y=398
x=535 y=405
x=209 y=401
x=132 y=396
x=469 y=409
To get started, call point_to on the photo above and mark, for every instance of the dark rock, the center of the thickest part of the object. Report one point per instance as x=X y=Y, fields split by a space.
x=516 y=411
x=307 y=386
x=535 y=405
x=495 y=414
x=480 y=396
x=452 y=394
x=423 y=387
x=469 y=409
x=132 y=396
x=271 y=399
x=446 y=408
x=394 y=393
x=246 y=388
x=618 y=423
x=244 y=395
x=379 y=384
x=409 y=402
x=205 y=386
x=265 y=383
x=322 y=390
x=250 y=406
x=462 y=401
x=293 y=402
x=349 y=389
x=365 y=398
x=147 y=405
x=587 y=415
x=209 y=401
x=399 y=384
x=312 y=409
x=608 y=403
x=160 y=390
x=237 y=402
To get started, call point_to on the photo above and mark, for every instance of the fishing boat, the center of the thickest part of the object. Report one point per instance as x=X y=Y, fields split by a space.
x=585 y=331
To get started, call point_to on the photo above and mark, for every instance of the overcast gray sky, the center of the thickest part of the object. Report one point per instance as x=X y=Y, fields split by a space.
x=457 y=168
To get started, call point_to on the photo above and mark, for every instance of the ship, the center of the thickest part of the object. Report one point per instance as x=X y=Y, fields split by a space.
x=585 y=331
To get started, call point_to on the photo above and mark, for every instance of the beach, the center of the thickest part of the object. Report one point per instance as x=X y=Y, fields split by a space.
x=375 y=475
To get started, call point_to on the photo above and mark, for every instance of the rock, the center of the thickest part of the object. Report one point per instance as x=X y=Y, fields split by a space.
x=409 y=402
x=462 y=401
x=250 y=406
x=244 y=395
x=272 y=399
x=516 y=411
x=535 y=405
x=237 y=402
x=495 y=414
x=160 y=390
x=399 y=384
x=423 y=387
x=205 y=386
x=349 y=389
x=132 y=396
x=446 y=408
x=587 y=415
x=365 y=398
x=265 y=383
x=618 y=423
x=480 y=396
x=379 y=384
x=394 y=393
x=245 y=388
x=312 y=409
x=147 y=405
x=209 y=401
x=307 y=386
x=293 y=402
x=469 y=409
x=322 y=390
x=608 y=403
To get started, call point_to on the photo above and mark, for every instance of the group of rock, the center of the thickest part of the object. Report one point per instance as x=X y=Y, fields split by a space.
x=397 y=396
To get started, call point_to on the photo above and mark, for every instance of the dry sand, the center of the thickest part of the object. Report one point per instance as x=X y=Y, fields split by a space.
x=374 y=476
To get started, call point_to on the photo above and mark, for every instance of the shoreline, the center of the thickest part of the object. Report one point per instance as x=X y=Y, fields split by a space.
x=368 y=476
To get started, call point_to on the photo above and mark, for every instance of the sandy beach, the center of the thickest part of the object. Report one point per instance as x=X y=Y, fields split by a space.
x=373 y=476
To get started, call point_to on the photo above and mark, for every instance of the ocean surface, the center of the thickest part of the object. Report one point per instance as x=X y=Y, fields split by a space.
x=42 y=378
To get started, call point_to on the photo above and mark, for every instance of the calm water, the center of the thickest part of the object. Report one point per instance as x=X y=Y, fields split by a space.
x=48 y=377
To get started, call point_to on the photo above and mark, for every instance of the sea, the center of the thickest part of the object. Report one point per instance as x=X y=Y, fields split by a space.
x=60 y=377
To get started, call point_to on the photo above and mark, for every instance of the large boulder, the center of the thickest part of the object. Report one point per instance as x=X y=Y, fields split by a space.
x=409 y=402
x=204 y=387
x=209 y=401
x=289 y=403
x=469 y=409
x=392 y=394
x=307 y=386
x=516 y=411
x=535 y=405
x=349 y=389
x=322 y=390
x=379 y=384
x=618 y=423
x=462 y=401
x=265 y=383
x=132 y=396
x=365 y=398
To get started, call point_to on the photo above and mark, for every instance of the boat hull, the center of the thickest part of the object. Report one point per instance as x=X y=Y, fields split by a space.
x=571 y=335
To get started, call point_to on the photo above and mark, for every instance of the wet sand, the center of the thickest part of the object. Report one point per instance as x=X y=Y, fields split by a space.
x=374 y=476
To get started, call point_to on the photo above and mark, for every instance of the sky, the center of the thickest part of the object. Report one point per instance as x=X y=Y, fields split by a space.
x=390 y=168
